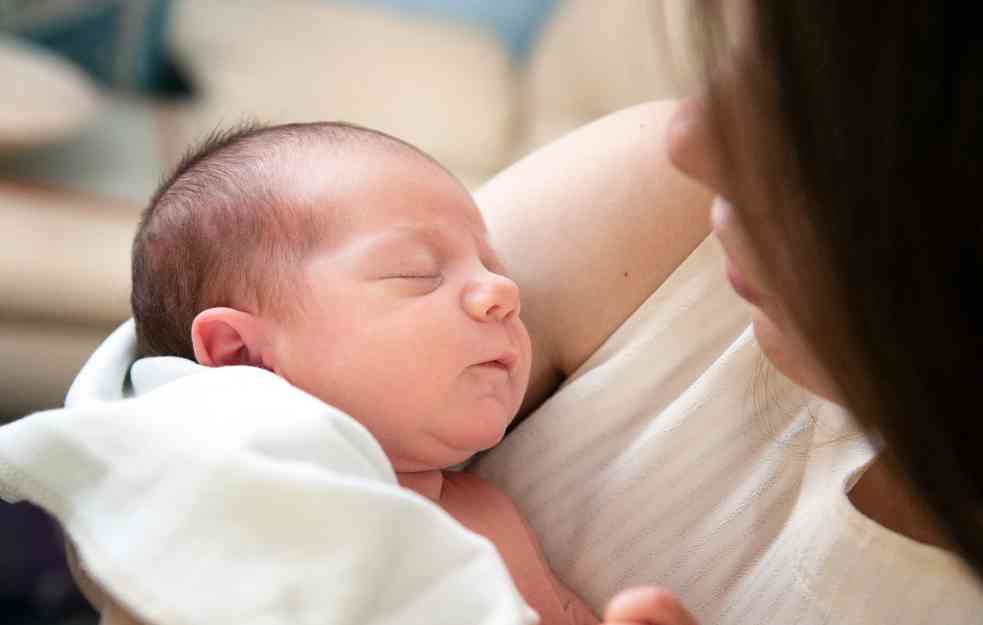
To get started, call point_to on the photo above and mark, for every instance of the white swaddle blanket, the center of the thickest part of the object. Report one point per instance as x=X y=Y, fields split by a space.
x=227 y=496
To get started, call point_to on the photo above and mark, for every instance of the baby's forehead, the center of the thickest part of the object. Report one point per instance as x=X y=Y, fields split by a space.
x=371 y=188
x=319 y=170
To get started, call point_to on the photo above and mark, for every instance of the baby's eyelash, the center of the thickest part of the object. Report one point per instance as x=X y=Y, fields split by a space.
x=426 y=281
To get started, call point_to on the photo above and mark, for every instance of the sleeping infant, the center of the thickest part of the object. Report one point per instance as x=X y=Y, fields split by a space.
x=357 y=268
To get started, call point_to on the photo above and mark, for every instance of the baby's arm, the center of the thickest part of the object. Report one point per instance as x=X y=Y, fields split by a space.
x=485 y=509
x=646 y=605
x=576 y=610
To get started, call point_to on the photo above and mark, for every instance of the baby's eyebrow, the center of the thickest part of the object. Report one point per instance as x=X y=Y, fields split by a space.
x=396 y=245
x=400 y=237
x=435 y=240
x=434 y=237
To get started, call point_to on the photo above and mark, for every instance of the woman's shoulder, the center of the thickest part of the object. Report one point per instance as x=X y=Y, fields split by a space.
x=589 y=226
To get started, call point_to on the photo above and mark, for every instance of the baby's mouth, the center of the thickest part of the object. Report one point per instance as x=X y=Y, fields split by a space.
x=496 y=364
x=505 y=362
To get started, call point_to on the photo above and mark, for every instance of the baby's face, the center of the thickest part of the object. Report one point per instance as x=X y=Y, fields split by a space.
x=407 y=322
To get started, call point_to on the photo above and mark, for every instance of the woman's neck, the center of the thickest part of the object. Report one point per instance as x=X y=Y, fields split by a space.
x=887 y=499
x=426 y=483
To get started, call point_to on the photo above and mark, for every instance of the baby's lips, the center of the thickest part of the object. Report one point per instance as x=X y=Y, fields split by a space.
x=506 y=360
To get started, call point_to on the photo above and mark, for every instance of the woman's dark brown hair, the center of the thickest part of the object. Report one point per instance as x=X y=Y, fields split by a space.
x=866 y=118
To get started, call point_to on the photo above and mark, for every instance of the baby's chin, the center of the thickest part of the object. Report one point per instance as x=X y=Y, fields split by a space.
x=414 y=465
x=451 y=452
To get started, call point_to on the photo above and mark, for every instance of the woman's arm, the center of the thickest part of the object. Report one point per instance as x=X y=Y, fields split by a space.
x=589 y=226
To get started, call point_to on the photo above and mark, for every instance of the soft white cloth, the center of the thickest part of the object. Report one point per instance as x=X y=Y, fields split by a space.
x=227 y=496
x=673 y=456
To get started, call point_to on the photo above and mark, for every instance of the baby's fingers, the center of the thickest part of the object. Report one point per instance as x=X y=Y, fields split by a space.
x=648 y=605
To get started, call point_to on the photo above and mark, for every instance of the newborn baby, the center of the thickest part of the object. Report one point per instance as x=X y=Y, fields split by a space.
x=358 y=269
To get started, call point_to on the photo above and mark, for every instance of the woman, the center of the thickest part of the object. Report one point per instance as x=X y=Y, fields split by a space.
x=832 y=201
x=826 y=135
x=844 y=215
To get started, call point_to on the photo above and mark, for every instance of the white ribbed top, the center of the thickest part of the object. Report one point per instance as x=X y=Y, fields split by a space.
x=673 y=457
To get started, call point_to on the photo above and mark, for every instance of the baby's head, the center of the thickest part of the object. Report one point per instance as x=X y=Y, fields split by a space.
x=347 y=262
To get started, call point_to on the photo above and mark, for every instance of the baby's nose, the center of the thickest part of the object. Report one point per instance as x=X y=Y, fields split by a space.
x=492 y=298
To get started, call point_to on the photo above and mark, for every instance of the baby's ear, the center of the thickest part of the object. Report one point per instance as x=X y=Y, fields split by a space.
x=225 y=336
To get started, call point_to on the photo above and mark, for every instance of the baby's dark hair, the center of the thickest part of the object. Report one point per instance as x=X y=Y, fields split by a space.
x=220 y=230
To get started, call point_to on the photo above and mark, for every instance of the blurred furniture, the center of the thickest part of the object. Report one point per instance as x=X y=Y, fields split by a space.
x=72 y=185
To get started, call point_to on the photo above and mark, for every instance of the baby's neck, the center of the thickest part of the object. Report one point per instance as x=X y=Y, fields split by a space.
x=426 y=483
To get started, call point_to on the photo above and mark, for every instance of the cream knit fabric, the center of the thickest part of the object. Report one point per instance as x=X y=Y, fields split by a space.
x=673 y=457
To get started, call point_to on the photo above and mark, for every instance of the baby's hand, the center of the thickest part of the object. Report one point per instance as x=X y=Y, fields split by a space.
x=646 y=605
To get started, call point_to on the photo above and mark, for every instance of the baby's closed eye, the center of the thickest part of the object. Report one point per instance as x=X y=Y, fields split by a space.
x=413 y=280
x=412 y=275
x=413 y=266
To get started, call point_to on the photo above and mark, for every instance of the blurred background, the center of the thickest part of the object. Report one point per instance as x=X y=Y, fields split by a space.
x=102 y=97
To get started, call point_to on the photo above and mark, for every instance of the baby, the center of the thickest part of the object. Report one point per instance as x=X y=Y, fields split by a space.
x=357 y=268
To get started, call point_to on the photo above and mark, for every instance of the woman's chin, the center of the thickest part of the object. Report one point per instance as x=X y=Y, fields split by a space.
x=788 y=353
